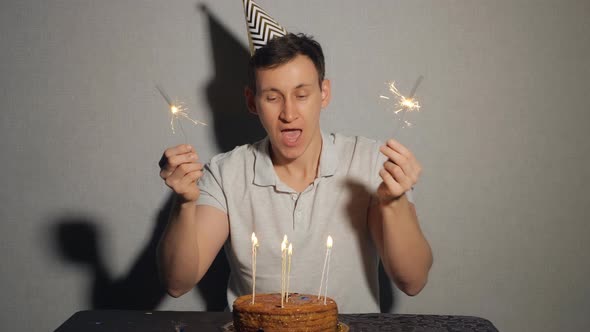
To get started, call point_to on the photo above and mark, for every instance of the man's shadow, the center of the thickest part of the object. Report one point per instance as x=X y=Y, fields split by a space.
x=78 y=238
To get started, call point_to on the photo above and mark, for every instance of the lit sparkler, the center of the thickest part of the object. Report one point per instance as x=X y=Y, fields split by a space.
x=402 y=103
x=178 y=110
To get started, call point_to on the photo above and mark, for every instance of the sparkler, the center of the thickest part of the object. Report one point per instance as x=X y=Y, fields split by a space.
x=403 y=104
x=178 y=110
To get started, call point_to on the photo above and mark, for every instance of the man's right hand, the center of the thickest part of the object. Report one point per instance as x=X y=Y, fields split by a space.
x=181 y=171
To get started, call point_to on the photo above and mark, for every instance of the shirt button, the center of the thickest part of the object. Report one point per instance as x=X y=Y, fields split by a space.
x=294 y=197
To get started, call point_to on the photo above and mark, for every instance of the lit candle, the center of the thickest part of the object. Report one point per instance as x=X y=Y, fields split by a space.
x=329 y=243
x=289 y=269
x=283 y=268
x=254 y=246
x=329 y=250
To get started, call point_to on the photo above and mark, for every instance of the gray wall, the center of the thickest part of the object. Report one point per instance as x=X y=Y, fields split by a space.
x=503 y=137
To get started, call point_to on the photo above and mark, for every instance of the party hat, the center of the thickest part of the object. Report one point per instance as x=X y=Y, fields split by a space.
x=261 y=27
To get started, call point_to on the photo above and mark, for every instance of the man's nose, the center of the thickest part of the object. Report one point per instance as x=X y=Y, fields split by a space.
x=289 y=112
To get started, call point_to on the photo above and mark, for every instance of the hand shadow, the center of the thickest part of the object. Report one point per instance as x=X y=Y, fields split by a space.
x=78 y=240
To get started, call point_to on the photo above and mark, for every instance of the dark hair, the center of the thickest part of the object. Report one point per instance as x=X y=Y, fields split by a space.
x=281 y=50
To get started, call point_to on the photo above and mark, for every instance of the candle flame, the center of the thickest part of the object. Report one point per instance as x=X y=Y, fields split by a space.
x=329 y=242
x=254 y=240
x=174 y=109
x=290 y=249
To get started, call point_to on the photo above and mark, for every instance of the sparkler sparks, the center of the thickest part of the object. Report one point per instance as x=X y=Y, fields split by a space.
x=178 y=110
x=402 y=103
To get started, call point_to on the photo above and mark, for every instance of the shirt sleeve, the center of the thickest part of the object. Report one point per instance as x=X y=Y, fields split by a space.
x=211 y=187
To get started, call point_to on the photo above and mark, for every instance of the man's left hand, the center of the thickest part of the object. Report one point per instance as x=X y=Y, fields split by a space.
x=399 y=173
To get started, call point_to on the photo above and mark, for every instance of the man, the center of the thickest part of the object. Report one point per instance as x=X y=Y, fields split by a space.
x=300 y=182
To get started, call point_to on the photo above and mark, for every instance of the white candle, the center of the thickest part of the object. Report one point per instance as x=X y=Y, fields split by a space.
x=329 y=250
x=289 y=270
x=283 y=268
x=329 y=243
x=254 y=245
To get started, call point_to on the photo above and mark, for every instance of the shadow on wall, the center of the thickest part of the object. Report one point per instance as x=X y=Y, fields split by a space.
x=78 y=240
x=386 y=295
x=233 y=124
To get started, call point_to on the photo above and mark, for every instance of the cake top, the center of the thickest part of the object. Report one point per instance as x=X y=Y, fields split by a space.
x=271 y=304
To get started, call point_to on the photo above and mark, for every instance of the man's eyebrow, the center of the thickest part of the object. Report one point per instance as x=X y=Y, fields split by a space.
x=302 y=85
x=270 y=90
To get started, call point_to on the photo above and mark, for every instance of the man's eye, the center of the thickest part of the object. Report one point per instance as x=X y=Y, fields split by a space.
x=271 y=98
x=301 y=96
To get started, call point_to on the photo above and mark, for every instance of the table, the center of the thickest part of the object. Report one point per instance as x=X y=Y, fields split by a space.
x=188 y=321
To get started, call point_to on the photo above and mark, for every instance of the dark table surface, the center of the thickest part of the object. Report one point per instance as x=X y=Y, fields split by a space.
x=188 y=321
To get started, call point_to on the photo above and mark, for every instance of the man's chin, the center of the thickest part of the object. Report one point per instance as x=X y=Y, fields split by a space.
x=287 y=153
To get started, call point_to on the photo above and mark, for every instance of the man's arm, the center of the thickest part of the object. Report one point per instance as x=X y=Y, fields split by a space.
x=193 y=237
x=194 y=234
x=405 y=253
x=393 y=223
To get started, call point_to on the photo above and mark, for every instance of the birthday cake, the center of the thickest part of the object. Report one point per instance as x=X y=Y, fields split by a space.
x=301 y=313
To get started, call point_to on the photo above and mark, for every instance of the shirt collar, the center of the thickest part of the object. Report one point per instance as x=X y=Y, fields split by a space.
x=264 y=173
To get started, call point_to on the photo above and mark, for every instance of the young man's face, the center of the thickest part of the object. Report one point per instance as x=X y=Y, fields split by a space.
x=288 y=101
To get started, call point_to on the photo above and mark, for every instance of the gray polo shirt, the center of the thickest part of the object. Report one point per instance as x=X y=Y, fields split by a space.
x=243 y=184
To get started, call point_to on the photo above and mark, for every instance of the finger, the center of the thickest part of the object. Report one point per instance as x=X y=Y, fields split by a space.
x=185 y=169
x=173 y=178
x=394 y=187
x=185 y=159
x=397 y=146
x=192 y=177
x=188 y=183
x=179 y=159
x=399 y=176
x=173 y=151
x=397 y=158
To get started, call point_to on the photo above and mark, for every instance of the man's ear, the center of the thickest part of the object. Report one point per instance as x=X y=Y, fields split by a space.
x=249 y=94
x=326 y=93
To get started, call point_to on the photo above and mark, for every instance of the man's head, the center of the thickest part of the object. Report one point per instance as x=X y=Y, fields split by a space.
x=287 y=92
x=281 y=50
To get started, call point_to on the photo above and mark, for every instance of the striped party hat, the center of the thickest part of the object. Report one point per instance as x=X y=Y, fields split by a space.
x=261 y=27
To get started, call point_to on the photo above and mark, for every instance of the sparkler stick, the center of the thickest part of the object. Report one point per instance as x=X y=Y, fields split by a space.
x=177 y=111
x=413 y=91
